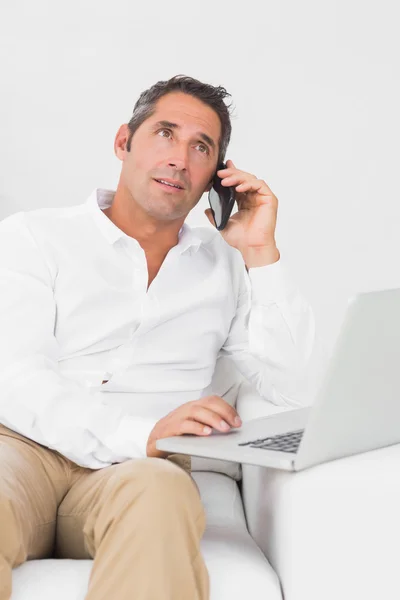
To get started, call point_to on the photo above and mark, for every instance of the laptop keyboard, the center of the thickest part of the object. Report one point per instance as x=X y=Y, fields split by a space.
x=284 y=442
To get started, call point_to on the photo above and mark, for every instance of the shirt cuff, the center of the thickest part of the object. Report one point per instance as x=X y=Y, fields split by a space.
x=270 y=283
x=131 y=436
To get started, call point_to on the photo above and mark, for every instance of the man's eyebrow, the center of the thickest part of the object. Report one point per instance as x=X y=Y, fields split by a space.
x=171 y=125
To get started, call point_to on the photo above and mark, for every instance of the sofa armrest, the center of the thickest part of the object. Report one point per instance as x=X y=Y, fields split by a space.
x=331 y=531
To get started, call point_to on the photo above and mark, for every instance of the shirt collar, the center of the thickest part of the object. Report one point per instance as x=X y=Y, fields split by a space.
x=103 y=198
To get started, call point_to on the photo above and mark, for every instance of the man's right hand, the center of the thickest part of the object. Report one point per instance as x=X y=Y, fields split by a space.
x=196 y=417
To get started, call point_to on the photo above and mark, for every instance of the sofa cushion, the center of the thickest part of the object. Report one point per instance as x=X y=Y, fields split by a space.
x=236 y=565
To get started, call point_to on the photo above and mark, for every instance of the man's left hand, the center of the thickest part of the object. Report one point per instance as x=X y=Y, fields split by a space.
x=252 y=229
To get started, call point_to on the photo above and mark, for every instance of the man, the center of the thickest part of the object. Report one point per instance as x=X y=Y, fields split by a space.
x=114 y=306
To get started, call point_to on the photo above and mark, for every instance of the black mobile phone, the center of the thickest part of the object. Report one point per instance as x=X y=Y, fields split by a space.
x=221 y=199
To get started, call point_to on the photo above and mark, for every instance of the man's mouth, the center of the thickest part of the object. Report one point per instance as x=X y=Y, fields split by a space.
x=169 y=184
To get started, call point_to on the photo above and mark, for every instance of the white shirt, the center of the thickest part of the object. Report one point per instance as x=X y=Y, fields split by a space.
x=75 y=310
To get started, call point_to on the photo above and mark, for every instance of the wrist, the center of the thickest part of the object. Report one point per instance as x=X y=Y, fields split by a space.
x=261 y=256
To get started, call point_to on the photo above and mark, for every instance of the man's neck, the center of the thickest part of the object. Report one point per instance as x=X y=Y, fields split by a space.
x=155 y=239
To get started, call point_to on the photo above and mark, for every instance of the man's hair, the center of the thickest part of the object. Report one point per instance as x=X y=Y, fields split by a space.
x=209 y=94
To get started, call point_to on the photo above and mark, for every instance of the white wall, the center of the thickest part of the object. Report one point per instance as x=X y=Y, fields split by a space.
x=316 y=92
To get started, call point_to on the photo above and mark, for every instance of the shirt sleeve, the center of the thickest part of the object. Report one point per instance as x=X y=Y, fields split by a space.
x=272 y=336
x=36 y=399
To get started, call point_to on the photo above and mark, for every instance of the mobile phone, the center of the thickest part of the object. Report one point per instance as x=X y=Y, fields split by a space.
x=221 y=199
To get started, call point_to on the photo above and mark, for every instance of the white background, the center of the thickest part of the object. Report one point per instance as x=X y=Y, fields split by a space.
x=316 y=97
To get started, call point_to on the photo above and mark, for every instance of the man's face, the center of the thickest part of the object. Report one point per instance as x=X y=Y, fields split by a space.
x=186 y=152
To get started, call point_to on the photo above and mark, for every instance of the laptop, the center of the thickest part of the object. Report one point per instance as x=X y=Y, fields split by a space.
x=356 y=408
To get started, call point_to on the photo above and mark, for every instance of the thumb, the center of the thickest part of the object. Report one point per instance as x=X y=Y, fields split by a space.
x=209 y=215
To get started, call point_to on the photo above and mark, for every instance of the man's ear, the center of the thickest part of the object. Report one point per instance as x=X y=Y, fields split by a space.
x=121 y=141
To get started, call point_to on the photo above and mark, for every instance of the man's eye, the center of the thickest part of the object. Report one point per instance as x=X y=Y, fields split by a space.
x=205 y=151
x=161 y=130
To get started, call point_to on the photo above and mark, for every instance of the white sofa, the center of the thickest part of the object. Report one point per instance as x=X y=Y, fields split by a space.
x=327 y=533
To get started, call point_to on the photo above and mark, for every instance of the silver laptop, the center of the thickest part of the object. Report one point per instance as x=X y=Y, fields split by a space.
x=356 y=408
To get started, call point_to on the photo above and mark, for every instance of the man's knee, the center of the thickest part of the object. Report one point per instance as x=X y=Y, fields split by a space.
x=158 y=479
x=147 y=490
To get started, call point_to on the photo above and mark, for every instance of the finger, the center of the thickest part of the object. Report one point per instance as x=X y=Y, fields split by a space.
x=193 y=427
x=220 y=406
x=222 y=173
x=209 y=417
x=244 y=187
x=256 y=185
x=238 y=178
x=231 y=177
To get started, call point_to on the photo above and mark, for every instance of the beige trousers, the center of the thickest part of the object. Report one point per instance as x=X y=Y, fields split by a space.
x=141 y=521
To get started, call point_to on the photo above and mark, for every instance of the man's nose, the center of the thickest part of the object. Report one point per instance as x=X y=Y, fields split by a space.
x=179 y=159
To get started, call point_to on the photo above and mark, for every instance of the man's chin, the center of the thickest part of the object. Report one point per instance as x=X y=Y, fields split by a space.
x=165 y=213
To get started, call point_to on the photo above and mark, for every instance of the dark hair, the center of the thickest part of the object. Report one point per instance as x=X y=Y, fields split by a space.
x=210 y=95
